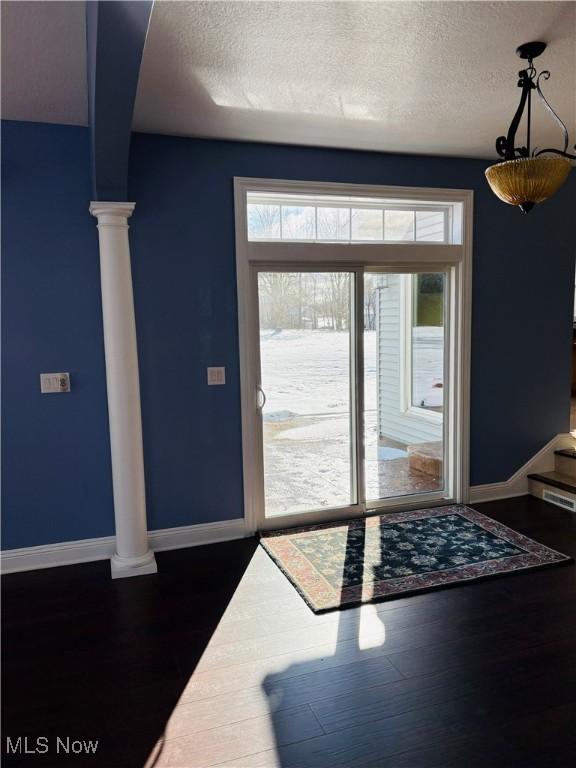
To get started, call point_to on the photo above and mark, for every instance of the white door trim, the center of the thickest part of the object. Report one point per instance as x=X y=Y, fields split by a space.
x=402 y=257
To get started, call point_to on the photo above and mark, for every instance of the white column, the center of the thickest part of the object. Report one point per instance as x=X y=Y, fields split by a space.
x=133 y=555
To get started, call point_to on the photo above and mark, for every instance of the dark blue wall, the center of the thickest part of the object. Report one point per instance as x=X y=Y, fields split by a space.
x=55 y=451
x=115 y=37
x=182 y=240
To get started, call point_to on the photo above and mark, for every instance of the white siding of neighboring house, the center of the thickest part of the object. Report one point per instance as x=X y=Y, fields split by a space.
x=393 y=422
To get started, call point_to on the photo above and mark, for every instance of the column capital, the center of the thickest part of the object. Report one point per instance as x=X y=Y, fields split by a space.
x=117 y=210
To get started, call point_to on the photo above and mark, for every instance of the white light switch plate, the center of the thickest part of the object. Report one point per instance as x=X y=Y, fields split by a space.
x=54 y=382
x=216 y=376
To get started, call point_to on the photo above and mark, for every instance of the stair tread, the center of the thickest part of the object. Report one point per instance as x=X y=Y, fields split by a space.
x=556 y=479
x=429 y=450
x=569 y=453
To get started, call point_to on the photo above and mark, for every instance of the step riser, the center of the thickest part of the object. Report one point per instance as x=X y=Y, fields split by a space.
x=426 y=464
x=537 y=489
x=427 y=458
x=566 y=466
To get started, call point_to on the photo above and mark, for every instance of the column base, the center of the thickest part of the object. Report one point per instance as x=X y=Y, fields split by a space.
x=124 y=567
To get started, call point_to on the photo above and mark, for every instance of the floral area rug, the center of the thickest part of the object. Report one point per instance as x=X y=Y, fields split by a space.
x=393 y=555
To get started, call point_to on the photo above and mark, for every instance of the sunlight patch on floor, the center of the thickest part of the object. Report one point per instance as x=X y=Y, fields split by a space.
x=237 y=692
x=372 y=632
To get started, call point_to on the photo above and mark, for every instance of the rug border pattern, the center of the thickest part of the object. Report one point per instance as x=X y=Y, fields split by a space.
x=321 y=596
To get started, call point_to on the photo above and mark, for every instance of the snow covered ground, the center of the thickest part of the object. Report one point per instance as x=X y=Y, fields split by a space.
x=306 y=378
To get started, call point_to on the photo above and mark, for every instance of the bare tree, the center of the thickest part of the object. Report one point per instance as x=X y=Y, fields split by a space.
x=264 y=220
x=333 y=223
x=339 y=297
x=304 y=300
x=370 y=302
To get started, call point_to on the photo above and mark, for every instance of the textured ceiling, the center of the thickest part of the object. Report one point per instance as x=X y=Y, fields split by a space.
x=44 y=62
x=423 y=77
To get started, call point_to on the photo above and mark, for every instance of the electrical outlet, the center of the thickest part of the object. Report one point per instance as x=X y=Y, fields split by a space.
x=54 y=382
x=216 y=376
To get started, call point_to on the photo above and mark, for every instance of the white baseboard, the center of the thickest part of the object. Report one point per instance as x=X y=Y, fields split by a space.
x=195 y=535
x=52 y=555
x=88 y=550
x=518 y=484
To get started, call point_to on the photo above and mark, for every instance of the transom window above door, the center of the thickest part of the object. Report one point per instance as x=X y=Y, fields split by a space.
x=354 y=319
x=276 y=217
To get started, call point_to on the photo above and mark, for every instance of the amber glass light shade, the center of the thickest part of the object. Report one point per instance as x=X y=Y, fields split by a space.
x=529 y=180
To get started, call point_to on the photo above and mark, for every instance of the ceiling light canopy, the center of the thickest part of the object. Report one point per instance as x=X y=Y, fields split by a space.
x=525 y=177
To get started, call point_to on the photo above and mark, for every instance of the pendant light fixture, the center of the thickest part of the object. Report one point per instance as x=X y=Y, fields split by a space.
x=527 y=176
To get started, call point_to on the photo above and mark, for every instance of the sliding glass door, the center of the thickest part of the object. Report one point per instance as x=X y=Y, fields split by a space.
x=405 y=386
x=307 y=390
x=351 y=403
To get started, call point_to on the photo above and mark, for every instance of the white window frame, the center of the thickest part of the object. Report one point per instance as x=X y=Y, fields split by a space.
x=405 y=257
x=406 y=342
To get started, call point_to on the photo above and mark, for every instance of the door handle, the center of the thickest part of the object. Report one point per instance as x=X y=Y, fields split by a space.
x=260 y=391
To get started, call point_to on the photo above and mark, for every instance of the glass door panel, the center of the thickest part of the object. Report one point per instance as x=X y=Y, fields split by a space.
x=404 y=387
x=307 y=397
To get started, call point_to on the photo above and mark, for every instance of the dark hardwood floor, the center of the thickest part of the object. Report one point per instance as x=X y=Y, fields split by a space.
x=217 y=661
